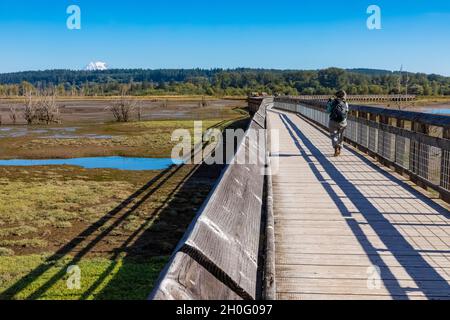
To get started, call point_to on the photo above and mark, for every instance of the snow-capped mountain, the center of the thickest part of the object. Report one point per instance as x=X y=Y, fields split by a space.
x=97 y=65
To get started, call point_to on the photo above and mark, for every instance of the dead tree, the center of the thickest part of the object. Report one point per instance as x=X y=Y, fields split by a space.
x=41 y=109
x=122 y=109
x=49 y=110
x=139 y=112
x=13 y=114
x=29 y=113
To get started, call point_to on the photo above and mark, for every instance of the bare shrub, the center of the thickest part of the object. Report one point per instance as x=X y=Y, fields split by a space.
x=41 y=109
x=139 y=112
x=13 y=114
x=48 y=110
x=30 y=110
x=122 y=109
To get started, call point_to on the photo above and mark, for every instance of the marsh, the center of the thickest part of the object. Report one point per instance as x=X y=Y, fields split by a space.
x=118 y=223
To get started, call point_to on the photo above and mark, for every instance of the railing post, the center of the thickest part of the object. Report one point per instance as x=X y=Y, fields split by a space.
x=382 y=139
x=419 y=159
x=445 y=166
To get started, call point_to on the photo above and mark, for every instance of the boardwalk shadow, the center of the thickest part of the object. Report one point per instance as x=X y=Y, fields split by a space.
x=146 y=247
x=157 y=239
x=428 y=280
x=107 y=224
x=148 y=239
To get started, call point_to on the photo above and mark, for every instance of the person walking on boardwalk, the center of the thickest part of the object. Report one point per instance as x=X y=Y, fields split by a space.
x=338 y=110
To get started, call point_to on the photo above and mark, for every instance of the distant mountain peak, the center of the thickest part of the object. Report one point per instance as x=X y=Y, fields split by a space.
x=97 y=66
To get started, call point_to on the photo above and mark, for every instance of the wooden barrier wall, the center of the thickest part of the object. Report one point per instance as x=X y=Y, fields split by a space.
x=217 y=259
x=254 y=103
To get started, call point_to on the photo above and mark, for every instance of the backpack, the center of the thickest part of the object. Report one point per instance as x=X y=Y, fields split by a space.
x=339 y=111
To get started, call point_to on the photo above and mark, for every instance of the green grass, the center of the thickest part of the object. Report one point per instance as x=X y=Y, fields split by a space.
x=44 y=209
x=6 y=252
x=101 y=279
x=24 y=243
x=133 y=139
x=54 y=203
x=48 y=215
x=17 y=231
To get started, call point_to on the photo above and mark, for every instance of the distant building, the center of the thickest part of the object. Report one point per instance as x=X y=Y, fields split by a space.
x=259 y=94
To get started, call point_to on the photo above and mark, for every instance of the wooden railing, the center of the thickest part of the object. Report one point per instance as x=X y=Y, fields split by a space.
x=255 y=103
x=364 y=98
x=218 y=256
x=413 y=143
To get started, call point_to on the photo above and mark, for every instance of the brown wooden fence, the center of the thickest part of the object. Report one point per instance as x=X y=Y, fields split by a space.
x=218 y=256
x=364 y=98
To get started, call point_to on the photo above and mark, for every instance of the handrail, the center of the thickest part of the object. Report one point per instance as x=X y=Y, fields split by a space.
x=415 y=144
x=362 y=98
x=426 y=118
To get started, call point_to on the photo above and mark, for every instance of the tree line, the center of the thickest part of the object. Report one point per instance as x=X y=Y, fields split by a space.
x=221 y=82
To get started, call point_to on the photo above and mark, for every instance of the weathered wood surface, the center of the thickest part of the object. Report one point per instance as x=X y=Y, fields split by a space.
x=183 y=273
x=254 y=103
x=339 y=219
x=269 y=289
x=218 y=256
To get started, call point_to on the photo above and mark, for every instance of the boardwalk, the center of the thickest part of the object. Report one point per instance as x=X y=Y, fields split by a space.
x=339 y=220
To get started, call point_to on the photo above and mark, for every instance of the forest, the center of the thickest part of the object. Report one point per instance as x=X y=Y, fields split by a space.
x=221 y=82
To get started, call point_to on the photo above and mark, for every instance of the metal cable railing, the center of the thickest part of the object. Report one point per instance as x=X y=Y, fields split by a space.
x=413 y=143
x=365 y=98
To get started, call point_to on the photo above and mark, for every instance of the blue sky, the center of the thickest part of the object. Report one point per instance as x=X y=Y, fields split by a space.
x=285 y=34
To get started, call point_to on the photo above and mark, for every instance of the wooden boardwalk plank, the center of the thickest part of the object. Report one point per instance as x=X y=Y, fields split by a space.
x=339 y=220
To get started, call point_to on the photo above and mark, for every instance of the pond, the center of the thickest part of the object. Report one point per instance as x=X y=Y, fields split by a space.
x=440 y=111
x=48 y=133
x=120 y=163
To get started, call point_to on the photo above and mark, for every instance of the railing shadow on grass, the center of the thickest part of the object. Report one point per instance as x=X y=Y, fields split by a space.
x=116 y=214
x=408 y=257
x=146 y=235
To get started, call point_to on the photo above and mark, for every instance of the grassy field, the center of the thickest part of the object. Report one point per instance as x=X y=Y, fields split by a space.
x=96 y=109
x=134 y=139
x=116 y=277
x=425 y=100
x=421 y=104
x=180 y=98
x=118 y=227
x=111 y=224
